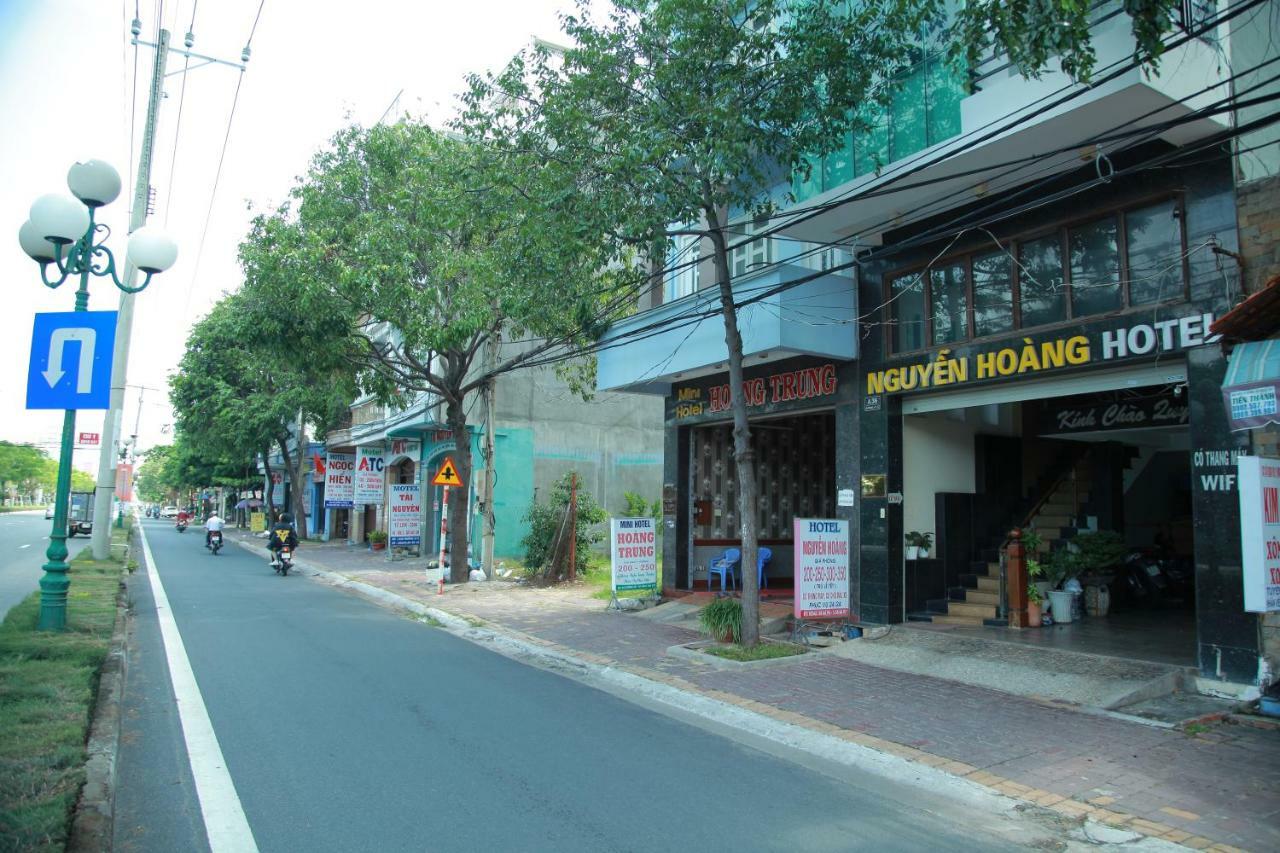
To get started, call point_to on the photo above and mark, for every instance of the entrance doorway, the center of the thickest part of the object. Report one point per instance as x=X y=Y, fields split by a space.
x=1102 y=481
x=795 y=478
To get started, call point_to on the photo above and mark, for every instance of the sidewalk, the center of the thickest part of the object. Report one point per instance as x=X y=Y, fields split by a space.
x=1215 y=787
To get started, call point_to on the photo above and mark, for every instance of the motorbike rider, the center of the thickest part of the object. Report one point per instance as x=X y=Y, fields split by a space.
x=212 y=524
x=282 y=535
x=183 y=518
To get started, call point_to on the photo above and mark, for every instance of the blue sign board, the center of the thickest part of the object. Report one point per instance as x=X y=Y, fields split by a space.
x=71 y=354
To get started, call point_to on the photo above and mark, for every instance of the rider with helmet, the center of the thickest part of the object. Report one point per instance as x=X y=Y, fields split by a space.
x=282 y=535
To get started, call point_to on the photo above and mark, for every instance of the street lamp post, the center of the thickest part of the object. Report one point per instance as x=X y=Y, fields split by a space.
x=62 y=233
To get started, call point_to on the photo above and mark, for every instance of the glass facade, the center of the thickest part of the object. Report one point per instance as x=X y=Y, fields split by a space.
x=949 y=295
x=1152 y=242
x=925 y=111
x=908 y=312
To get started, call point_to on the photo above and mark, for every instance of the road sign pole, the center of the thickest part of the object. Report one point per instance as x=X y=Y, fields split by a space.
x=54 y=584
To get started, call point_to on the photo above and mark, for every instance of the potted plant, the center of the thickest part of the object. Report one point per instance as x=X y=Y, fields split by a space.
x=722 y=619
x=1035 y=578
x=1031 y=543
x=913 y=544
x=1060 y=567
x=926 y=545
x=377 y=540
x=1034 y=601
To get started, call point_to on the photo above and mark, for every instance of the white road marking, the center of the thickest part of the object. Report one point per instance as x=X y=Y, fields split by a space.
x=224 y=820
x=28 y=545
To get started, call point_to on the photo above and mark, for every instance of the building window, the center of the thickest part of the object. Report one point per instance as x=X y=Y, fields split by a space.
x=949 y=294
x=682 y=267
x=1043 y=284
x=1126 y=260
x=1095 y=267
x=992 y=293
x=750 y=256
x=1153 y=243
x=908 y=312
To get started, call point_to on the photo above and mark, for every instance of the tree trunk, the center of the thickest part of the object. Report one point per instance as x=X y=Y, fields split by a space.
x=270 y=492
x=456 y=416
x=288 y=466
x=743 y=454
x=299 y=479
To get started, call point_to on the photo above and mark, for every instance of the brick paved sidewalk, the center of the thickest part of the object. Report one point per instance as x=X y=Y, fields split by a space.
x=1216 y=789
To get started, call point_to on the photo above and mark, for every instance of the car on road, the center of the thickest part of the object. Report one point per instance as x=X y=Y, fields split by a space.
x=48 y=511
x=169 y=512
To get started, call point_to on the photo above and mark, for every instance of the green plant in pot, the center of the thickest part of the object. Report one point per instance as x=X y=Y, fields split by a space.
x=1031 y=542
x=1034 y=602
x=926 y=545
x=1098 y=550
x=1060 y=566
x=722 y=619
x=914 y=539
x=377 y=539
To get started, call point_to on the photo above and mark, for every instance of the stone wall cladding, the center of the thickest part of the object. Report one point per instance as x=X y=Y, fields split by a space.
x=1258 y=214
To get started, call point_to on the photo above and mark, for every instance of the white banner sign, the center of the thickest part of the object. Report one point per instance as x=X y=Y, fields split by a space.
x=822 y=568
x=368 y=485
x=633 y=543
x=404 y=515
x=340 y=480
x=1259 y=484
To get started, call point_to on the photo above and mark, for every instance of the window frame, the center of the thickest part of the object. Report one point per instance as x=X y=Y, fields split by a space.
x=680 y=283
x=1012 y=246
x=745 y=252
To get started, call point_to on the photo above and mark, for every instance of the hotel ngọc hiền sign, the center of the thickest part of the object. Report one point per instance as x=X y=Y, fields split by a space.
x=1037 y=354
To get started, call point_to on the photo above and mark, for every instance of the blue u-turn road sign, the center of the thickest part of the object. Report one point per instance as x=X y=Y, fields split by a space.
x=71 y=353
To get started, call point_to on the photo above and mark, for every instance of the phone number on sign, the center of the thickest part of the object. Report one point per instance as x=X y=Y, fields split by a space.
x=818 y=574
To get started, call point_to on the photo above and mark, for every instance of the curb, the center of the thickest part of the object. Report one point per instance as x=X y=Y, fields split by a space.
x=93 y=823
x=1094 y=824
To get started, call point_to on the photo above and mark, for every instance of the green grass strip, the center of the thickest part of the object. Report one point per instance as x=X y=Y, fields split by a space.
x=763 y=651
x=47 y=688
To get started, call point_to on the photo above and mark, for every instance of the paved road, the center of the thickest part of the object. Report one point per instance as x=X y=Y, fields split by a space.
x=24 y=536
x=346 y=727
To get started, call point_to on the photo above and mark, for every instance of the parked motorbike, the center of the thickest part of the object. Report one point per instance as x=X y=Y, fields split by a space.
x=1145 y=580
x=215 y=542
x=283 y=561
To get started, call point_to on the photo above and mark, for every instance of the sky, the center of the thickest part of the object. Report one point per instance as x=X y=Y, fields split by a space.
x=68 y=92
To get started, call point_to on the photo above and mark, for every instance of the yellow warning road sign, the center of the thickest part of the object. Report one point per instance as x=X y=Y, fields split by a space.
x=447 y=475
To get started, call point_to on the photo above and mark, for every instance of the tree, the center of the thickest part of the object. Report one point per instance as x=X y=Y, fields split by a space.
x=24 y=468
x=428 y=249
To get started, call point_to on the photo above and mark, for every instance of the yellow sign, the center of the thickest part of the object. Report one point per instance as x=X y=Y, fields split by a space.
x=257 y=521
x=447 y=475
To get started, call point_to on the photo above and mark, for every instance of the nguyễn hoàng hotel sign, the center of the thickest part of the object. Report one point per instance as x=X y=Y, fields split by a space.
x=1037 y=354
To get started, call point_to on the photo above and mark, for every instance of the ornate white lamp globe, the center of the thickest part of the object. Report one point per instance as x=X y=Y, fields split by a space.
x=37 y=248
x=151 y=250
x=59 y=218
x=94 y=182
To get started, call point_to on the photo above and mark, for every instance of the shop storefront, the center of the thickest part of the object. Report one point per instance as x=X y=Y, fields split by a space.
x=794 y=434
x=1061 y=377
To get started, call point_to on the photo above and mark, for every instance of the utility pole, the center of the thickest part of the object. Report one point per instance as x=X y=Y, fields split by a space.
x=490 y=388
x=124 y=325
x=112 y=422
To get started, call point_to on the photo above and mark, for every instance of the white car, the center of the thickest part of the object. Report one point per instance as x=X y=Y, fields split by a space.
x=169 y=512
x=48 y=511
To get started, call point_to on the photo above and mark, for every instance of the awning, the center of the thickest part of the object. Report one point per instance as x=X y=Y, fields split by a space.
x=1251 y=388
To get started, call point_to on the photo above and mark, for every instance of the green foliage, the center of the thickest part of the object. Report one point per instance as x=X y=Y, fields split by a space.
x=544 y=520
x=638 y=507
x=1031 y=541
x=1100 y=549
x=1061 y=565
x=722 y=618
x=762 y=651
x=24 y=469
x=1033 y=594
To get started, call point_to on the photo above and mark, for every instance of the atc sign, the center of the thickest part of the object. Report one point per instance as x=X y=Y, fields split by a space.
x=70 y=365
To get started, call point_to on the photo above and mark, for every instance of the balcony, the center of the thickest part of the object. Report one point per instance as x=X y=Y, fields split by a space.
x=675 y=342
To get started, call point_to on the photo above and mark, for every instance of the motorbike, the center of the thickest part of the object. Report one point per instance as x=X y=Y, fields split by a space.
x=180 y=526
x=283 y=561
x=215 y=542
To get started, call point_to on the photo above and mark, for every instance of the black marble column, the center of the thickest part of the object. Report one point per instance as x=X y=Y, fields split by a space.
x=1229 y=639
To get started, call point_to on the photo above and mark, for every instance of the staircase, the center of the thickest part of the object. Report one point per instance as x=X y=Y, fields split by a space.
x=1055 y=515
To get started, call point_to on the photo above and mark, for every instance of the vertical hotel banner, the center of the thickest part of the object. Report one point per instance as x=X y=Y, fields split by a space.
x=822 y=568
x=124 y=482
x=634 y=549
x=1259 y=482
x=340 y=480
x=404 y=515
x=368 y=479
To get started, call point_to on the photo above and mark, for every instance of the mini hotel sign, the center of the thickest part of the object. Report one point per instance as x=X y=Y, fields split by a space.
x=788 y=386
x=1030 y=357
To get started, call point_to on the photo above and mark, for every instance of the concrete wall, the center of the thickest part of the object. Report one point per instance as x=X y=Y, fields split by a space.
x=938 y=456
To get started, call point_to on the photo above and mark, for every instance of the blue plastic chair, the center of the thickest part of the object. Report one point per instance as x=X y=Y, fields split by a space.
x=726 y=565
x=763 y=556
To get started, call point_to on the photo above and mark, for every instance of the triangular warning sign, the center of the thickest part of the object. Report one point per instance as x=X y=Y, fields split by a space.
x=447 y=475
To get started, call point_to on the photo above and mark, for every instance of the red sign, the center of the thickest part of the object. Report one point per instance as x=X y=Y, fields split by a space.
x=91 y=438
x=124 y=482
